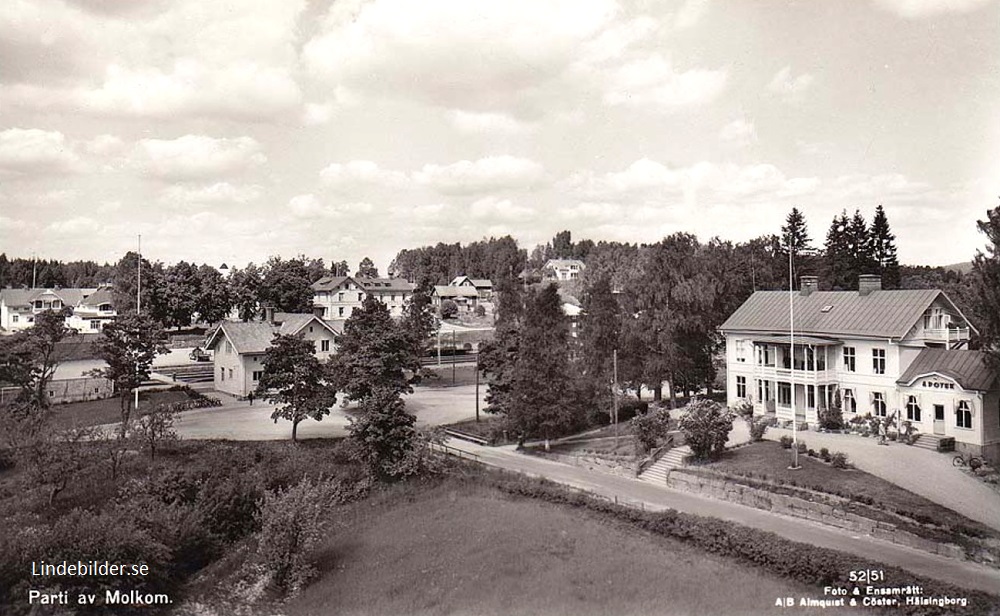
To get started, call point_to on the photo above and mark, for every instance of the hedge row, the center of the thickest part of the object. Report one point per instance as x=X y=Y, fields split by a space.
x=808 y=564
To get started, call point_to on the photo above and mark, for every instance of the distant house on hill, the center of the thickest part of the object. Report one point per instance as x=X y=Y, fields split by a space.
x=464 y=296
x=239 y=347
x=336 y=297
x=91 y=308
x=562 y=269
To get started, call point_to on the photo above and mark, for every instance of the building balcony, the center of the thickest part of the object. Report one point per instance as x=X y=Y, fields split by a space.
x=808 y=377
x=947 y=334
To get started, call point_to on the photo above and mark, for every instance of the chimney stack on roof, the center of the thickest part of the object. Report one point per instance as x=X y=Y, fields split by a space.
x=269 y=314
x=808 y=284
x=868 y=283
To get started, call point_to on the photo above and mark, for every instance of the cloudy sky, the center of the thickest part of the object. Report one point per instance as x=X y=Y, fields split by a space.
x=233 y=130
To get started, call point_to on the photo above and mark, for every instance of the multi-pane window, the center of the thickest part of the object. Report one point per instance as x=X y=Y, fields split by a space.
x=257 y=374
x=784 y=393
x=340 y=311
x=849 y=359
x=222 y=374
x=912 y=409
x=324 y=345
x=14 y=318
x=878 y=404
x=963 y=414
x=850 y=402
x=95 y=324
x=741 y=387
x=878 y=361
x=741 y=350
x=361 y=296
x=811 y=396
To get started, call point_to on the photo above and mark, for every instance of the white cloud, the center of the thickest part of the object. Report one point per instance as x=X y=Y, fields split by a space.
x=642 y=175
x=472 y=122
x=197 y=157
x=309 y=207
x=105 y=145
x=77 y=226
x=917 y=9
x=490 y=209
x=653 y=81
x=218 y=193
x=738 y=133
x=790 y=89
x=358 y=173
x=33 y=151
x=691 y=13
x=317 y=114
x=484 y=175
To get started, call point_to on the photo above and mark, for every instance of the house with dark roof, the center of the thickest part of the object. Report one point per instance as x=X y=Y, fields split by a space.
x=336 y=297
x=901 y=353
x=238 y=347
x=465 y=296
x=91 y=308
x=483 y=286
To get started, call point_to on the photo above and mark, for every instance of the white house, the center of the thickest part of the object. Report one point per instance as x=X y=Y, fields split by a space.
x=483 y=287
x=239 y=347
x=336 y=297
x=881 y=351
x=92 y=308
x=563 y=269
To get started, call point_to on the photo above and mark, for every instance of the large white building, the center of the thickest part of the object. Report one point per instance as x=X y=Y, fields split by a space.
x=91 y=309
x=336 y=297
x=880 y=351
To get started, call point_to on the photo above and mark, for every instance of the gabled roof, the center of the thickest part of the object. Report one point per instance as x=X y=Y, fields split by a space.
x=450 y=291
x=256 y=336
x=557 y=263
x=479 y=283
x=967 y=368
x=880 y=314
x=23 y=297
x=103 y=295
x=374 y=285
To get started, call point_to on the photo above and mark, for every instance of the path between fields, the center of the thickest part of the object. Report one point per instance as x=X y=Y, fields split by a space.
x=960 y=573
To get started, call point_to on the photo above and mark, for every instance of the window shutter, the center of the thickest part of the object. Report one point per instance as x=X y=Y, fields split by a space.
x=871 y=397
x=972 y=407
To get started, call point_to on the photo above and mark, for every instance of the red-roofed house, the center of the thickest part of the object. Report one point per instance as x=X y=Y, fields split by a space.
x=881 y=351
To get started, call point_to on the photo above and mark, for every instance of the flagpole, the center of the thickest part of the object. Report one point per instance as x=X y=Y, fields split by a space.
x=138 y=308
x=791 y=339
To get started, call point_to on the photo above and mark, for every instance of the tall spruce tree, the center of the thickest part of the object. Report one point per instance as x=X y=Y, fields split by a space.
x=883 y=247
x=859 y=236
x=838 y=256
x=795 y=240
x=986 y=287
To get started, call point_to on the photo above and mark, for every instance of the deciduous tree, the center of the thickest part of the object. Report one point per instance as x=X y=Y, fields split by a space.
x=296 y=381
x=286 y=285
x=367 y=269
x=245 y=291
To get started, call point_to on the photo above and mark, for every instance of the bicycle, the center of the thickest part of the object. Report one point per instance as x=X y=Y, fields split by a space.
x=967 y=460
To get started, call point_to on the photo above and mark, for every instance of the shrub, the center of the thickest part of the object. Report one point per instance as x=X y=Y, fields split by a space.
x=291 y=523
x=832 y=418
x=649 y=429
x=839 y=460
x=824 y=453
x=802 y=447
x=811 y=453
x=758 y=427
x=480 y=311
x=448 y=309
x=786 y=441
x=706 y=425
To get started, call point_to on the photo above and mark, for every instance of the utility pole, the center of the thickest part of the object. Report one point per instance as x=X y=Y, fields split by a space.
x=454 y=357
x=477 y=386
x=614 y=392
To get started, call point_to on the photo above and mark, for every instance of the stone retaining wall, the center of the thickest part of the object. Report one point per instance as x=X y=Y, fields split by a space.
x=829 y=511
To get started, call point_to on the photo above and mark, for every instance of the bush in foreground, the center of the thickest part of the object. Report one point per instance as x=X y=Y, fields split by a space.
x=706 y=425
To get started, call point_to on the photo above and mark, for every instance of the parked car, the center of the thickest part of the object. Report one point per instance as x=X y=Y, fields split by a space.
x=199 y=354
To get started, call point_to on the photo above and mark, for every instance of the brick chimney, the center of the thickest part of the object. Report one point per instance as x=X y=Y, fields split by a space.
x=269 y=314
x=868 y=283
x=808 y=284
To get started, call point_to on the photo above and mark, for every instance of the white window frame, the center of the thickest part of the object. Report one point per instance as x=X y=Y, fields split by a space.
x=850 y=401
x=879 y=406
x=963 y=410
x=741 y=386
x=850 y=359
x=913 y=411
x=878 y=361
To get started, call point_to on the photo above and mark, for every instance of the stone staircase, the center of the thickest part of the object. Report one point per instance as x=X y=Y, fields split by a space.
x=933 y=442
x=657 y=472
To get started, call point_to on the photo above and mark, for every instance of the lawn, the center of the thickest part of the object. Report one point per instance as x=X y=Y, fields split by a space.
x=769 y=459
x=444 y=376
x=457 y=548
x=108 y=410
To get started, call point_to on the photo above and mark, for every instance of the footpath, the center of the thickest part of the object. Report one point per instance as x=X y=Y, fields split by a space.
x=655 y=498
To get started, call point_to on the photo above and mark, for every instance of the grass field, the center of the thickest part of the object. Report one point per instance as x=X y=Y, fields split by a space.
x=108 y=410
x=460 y=549
x=768 y=458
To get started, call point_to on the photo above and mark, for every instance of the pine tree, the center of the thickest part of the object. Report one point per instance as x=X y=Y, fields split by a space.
x=986 y=287
x=837 y=254
x=883 y=245
x=795 y=234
